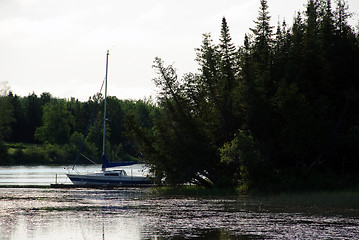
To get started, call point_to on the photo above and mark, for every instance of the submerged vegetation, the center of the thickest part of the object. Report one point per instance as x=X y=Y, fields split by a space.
x=276 y=113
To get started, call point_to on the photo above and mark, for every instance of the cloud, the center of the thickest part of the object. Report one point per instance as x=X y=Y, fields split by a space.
x=59 y=46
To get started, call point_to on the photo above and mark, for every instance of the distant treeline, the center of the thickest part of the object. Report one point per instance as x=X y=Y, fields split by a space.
x=279 y=112
x=49 y=130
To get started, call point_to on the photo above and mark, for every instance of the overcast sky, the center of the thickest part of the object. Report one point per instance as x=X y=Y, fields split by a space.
x=59 y=46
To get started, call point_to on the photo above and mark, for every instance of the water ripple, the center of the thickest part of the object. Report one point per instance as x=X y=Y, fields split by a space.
x=136 y=214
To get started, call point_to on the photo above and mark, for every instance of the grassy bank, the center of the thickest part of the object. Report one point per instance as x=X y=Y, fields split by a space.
x=52 y=154
x=38 y=154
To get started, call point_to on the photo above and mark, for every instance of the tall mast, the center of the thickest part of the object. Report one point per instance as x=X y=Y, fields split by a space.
x=104 y=110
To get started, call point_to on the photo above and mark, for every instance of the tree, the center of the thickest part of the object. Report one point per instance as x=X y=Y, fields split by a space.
x=18 y=126
x=210 y=98
x=115 y=116
x=229 y=79
x=182 y=139
x=143 y=114
x=6 y=110
x=33 y=114
x=260 y=86
x=6 y=118
x=263 y=37
x=45 y=97
x=57 y=123
x=244 y=163
x=215 y=87
x=342 y=15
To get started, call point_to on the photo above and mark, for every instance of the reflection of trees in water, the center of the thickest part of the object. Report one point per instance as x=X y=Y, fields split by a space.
x=137 y=214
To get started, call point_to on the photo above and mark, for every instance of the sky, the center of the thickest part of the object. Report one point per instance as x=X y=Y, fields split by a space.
x=59 y=46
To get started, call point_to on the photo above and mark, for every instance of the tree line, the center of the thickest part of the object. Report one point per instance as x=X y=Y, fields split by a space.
x=278 y=112
x=47 y=130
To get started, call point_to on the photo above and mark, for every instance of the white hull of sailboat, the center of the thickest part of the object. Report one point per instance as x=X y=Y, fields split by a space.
x=107 y=179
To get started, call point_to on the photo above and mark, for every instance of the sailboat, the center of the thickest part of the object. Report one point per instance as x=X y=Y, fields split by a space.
x=108 y=176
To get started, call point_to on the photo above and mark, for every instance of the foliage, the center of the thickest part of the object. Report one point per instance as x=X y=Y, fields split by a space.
x=284 y=102
x=61 y=127
x=279 y=112
x=3 y=153
x=57 y=123
x=6 y=110
x=243 y=161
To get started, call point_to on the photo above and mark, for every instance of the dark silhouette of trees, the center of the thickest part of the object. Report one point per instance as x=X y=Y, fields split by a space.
x=283 y=104
x=275 y=113
x=60 y=124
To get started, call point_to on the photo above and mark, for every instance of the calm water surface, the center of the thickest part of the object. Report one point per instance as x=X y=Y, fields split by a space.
x=44 y=213
x=45 y=175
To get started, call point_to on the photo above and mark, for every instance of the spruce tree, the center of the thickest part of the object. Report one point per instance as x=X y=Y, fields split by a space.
x=261 y=89
x=342 y=15
x=229 y=70
x=263 y=33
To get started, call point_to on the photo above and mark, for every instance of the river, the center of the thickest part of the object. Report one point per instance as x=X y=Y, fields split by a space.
x=46 y=175
x=133 y=213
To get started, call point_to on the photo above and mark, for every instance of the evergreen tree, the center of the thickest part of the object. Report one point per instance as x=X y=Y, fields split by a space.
x=18 y=126
x=229 y=79
x=262 y=88
x=6 y=110
x=342 y=15
x=33 y=113
x=263 y=37
x=211 y=102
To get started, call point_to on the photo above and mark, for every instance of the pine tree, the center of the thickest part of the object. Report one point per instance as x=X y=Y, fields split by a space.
x=209 y=59
x=295 y=63
x=260 y=85
x=19 y=124
x=263 y=35
x=310 y=82
x=228 y=53
x=33 y=114
x=342 y=16
x=280 y=53
x=6 y=110
x=229 y=70
x=262 y=52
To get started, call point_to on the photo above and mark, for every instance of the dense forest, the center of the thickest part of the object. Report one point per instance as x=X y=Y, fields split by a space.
x=278 y=112
x=48 y=130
